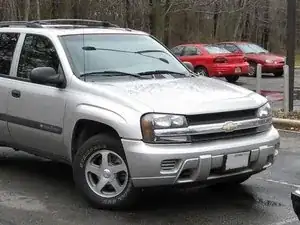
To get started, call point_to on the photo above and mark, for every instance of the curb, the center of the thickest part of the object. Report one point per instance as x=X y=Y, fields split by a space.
x=289 y=131
x=286 y=122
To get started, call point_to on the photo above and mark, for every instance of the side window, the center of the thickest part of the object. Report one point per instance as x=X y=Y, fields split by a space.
x=8 y=42
x=37 y=51
x=177 y=50
x=190 y=51
x=231 y=48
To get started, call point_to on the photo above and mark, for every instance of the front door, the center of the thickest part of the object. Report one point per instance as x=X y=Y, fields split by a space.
x=37 y=111
x=191 y=54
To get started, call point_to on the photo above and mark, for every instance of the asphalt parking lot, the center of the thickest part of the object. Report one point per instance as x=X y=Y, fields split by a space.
x=35 y=191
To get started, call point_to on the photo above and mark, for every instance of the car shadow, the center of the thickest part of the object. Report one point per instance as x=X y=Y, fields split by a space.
x=57 y=178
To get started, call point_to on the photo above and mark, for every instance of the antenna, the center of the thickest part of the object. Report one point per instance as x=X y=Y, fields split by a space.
x=83 y=43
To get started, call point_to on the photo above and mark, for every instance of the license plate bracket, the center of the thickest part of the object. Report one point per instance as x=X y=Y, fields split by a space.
x=237 y=160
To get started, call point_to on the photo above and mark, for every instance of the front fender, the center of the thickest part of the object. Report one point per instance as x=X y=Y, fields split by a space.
x=126 y=128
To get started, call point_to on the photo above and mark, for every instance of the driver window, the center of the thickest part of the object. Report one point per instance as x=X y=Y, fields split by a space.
x=37 y=51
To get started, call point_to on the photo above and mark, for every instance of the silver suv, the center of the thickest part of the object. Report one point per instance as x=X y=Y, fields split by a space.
x=124 y=112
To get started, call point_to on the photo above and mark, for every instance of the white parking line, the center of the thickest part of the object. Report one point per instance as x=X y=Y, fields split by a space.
x=280 y=182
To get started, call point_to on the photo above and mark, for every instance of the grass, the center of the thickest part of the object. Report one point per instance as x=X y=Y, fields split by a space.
x=297 y=60
x=292 y=115
x=295 y=115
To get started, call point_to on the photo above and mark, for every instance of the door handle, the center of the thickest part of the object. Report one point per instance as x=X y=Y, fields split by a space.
x=16 y=93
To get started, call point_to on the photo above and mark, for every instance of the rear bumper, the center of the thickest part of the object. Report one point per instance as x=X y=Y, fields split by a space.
x=157 y=165
x=221 y=70
x=272 y=68
x=296 y=202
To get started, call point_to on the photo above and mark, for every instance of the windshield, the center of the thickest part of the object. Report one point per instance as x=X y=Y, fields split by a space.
x=125 y=53
x=215 y=49
x=251 y=48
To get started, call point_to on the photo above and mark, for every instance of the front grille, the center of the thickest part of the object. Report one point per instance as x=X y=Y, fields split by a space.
x=223 y=135
x=221 y=117
x=169 y=164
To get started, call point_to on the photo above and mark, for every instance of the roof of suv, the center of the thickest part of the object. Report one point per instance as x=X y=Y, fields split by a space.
x=61 y=27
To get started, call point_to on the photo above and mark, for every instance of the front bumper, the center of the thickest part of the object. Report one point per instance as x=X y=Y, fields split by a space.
x=157 y=165
x=272 y=68
x=296 y=202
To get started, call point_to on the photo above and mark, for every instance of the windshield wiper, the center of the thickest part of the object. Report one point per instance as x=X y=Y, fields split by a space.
x=149 y=51
x=111 y=73
x=92 y=48
x=161 y=72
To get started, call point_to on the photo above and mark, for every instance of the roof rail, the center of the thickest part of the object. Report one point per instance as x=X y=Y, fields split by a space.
x=30 y=24
x=59 y=23
x=76 y=22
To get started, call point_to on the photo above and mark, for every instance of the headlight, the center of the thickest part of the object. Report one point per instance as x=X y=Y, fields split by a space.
x=265 y=111
x=151 y=122
x=269 y=61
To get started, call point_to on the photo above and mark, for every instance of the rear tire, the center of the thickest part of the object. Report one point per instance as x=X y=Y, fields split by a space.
x=101 y=173
x=278 y=74
x=201 y=71
x=232 y=79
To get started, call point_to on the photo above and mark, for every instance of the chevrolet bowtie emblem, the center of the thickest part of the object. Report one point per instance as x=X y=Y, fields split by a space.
x=229 y=126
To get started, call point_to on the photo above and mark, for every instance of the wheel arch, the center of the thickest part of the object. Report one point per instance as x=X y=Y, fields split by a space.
x=85 y=129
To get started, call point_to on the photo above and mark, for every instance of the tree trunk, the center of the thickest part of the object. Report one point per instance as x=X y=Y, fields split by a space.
x=38 y=10
x=152 y=24
x=27 y=10
x=128 y=22
x=239 y=22
x=266 y=31
x=216 y=19
x=167 y=23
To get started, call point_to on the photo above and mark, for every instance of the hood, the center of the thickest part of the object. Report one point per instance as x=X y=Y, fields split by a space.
x=264 y=57
x=184 y=96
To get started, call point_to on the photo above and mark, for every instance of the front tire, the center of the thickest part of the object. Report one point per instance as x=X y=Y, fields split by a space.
x=101 y=173
x=232 y=79
x=201 y=71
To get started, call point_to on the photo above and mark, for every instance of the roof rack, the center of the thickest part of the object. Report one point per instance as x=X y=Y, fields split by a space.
x=20 y=23
x=76 y=22
x=59 y=23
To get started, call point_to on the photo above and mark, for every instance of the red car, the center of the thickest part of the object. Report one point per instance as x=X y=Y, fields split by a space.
x=255 y=54
x=213 y=61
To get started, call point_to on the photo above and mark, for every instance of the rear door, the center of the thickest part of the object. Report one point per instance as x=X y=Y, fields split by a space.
x=8 y=43
x=37 y=111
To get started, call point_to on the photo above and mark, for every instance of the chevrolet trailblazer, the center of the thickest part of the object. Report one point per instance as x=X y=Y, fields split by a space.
x=124 y=112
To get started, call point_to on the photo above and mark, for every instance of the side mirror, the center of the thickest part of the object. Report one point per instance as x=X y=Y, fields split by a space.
x=189 y=66
x=46 y=75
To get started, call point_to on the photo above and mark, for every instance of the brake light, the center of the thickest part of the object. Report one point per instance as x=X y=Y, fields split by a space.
x=220 y=60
